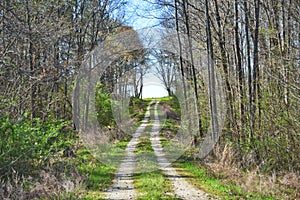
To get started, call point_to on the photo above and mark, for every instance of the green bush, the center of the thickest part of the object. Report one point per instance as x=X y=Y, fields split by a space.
x=103 y=106
x=26 y=145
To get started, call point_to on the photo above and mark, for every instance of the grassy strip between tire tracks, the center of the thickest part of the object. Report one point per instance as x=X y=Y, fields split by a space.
x=98 y=175
x=149 y=180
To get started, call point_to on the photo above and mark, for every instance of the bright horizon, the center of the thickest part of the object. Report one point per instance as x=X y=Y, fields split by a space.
x=153 y=89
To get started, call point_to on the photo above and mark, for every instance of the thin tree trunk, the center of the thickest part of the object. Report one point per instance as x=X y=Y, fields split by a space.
x=239 y=64
x=221 y=41
x=249 y=67
x=31 y=64
x=240 y=77
x=180 y=55
x=256 y=74
x=185 y=11
x=211 y=76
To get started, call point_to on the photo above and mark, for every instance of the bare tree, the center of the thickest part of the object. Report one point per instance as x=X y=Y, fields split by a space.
x=166 y=69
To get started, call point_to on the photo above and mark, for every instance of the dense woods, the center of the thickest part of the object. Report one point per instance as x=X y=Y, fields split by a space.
x=252 y=46
x=42 y=46
x=255 y=45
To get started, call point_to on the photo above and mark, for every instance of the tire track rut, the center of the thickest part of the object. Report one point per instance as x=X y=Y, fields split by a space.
x=181 y=187
x=123 y=187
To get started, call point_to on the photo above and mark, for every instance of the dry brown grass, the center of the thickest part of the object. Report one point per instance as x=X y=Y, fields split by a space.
x=49 y=184
x=13 y=188
x=226 y=166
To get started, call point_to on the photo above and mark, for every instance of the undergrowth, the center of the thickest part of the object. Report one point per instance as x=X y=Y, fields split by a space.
x=220 y=173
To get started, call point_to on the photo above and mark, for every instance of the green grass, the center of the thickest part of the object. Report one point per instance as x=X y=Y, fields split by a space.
x=144 y=146
x=99 y=176
x=173 y=102
x=166 y=98
x=150 y=182
x=212 y=184
x=123 y=143
x=153 y=185
x=138 y=108
x=201 y=177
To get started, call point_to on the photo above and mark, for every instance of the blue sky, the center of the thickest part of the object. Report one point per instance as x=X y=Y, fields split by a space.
x=140 y=14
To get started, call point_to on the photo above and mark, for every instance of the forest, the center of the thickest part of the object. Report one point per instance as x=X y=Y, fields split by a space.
x=232 y=75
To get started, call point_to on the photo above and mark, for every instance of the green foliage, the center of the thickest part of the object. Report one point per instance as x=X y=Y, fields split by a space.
x=144 y=145
x=99 y=175
x=138 y=107
x=103 y=106
x=28 y=144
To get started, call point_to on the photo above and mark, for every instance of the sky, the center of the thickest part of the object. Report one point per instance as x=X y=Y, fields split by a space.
x=140 y=15
x=153 y=87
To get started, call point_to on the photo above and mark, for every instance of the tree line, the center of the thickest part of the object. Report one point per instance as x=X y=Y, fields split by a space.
x=43 y=44
x=255 y=46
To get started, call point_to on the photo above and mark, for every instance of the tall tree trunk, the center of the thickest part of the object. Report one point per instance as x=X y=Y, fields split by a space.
x=240 y=74
x=190 y=49
x=247 y=25
x=180 y=55
x=239 y=64
x=256 y=74
x=221 y=41
x=211 y=75
x=31 y=63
